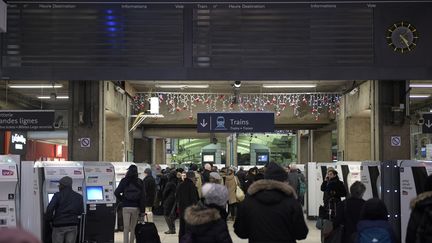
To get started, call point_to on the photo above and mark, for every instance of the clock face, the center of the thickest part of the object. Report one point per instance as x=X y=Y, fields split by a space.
x=402 y=37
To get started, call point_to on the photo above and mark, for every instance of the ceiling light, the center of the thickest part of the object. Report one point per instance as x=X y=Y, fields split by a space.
x=414 y=96
x=277 y=86
x=182 y=86
x=64 y=97
x=237 y=84
x=35 y=86
x=420 y=85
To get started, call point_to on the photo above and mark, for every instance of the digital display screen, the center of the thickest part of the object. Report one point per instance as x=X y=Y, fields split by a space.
x=263 y=158
x=50 y=196
x=94 y=193
x=423 y=152
x=208 y=158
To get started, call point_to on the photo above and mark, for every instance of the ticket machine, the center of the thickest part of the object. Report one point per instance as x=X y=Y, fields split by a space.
x=316 y=172
x=8 y=194
x=100 y=202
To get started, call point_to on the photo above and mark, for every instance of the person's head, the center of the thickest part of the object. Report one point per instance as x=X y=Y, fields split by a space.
x=190 y=175
x=214 y=169
x=374 y=209
x=214 y=194
x=275 y=172
x=208 y=167
x=241 y=168
x=172 y=175
x=16 y=235
x=357 y=189
x=65 y=182
x=147 y=172
x=193 y=167
x=428 y=184
x=132 y=171
x=215 y=178
x=179 y=175
x=293 y=167
x=230 y=171
x=331 y=173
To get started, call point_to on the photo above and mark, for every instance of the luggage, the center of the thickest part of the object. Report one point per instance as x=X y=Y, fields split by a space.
x=146 y=232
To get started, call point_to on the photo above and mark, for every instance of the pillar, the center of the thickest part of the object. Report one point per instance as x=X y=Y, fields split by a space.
x=321 y=146
x=85 y=121
x=231 y=150
x=303 y=155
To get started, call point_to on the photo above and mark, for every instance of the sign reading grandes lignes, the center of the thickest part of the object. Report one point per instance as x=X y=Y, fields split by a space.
x=235 y=122
x=27 y=120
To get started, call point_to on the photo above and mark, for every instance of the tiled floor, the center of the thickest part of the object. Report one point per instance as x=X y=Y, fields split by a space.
x=313 y=236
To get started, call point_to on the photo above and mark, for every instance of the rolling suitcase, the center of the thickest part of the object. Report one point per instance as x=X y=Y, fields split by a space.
x=146 y=232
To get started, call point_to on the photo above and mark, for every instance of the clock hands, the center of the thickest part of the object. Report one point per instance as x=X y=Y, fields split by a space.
x=404 y=40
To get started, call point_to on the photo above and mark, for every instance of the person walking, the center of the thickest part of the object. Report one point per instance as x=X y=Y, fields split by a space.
x=419 y=225
x=130 y=193
x=348 y=213
x=271 y=212
x=150 y=193
x=204 y=222
x=231 y=182
x=206 y=173
x=186 y=195
x=64 y=211
x=169 y=202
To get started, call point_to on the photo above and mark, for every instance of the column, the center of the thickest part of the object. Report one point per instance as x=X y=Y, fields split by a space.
x=321 y=146
x=303 y=155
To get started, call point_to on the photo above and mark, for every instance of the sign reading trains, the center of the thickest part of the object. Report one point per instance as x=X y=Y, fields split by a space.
x=235 y=122
x=27 y=120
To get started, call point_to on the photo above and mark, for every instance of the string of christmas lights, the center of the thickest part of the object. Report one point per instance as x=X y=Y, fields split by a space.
x=316 y=103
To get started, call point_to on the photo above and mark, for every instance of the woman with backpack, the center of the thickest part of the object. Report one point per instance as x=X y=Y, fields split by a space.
x=373 y=225
x=420 y=222
x=129 y=193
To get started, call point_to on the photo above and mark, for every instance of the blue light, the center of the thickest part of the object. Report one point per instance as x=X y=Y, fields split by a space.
x=112 y=29
x=109 y=17
x=109 y=11
x=111 y=23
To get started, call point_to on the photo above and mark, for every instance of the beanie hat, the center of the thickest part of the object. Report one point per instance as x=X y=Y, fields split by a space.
x=148 y=171
x=66 y=181
x=214 y=194
x=275 y=172
x=215 y=175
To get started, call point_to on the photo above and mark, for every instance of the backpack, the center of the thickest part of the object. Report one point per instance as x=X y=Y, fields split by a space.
x=424 y=229
x=132 y=192
x=376 y=231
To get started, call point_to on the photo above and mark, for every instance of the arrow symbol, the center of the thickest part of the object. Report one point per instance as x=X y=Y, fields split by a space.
x=204 y=123
x=428 y=124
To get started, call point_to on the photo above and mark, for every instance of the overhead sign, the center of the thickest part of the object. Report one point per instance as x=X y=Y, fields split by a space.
x=235 y=122
x=427 y=125
x=27 y=120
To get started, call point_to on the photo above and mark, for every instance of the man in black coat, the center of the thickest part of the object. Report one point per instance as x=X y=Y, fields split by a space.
x=186 y=195
x=333 y=189
x=271 y=213
x=149 y=192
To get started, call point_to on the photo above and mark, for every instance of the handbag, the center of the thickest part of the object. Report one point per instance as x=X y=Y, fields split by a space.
x=240 y=196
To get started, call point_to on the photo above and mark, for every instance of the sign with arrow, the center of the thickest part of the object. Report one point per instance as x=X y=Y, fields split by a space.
x=235 y=122
x=427 y=125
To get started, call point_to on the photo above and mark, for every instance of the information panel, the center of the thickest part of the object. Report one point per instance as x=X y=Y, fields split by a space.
x=235 y=122
x=27 y=120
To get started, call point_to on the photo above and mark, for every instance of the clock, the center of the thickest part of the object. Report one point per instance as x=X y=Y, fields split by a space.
x=402 y=37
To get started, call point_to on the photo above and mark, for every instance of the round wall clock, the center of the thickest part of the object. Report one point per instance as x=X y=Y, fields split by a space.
x=402 y=37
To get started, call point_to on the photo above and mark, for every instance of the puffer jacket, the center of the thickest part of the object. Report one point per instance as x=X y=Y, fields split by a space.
x=65 y=207
x=206 y=225
x=418 y=206
x=270 y=214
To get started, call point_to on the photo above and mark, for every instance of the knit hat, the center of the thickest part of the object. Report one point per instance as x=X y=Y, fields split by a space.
x=214 y=194
x=66 y=181
x=275 y=172
x=215 y=175
x=148 y=171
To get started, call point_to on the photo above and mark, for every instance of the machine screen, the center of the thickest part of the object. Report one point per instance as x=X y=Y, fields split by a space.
x=50 y=196
x=94 y=193
x=263 y=158
x=208 y=158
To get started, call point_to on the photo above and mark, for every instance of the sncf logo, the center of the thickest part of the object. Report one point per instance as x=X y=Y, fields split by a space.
x=7 y=173
x=77 y=172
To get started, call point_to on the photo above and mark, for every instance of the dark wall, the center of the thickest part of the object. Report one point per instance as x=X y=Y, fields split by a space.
x=142 y=150
x=246 y=41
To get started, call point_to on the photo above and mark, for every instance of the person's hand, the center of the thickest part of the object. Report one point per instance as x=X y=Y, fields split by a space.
x=326 y=178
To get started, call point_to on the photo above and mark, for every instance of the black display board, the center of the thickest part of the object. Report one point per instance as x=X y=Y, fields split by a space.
x=196 y=40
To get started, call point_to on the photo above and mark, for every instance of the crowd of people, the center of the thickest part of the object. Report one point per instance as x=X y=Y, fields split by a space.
x=271 y=211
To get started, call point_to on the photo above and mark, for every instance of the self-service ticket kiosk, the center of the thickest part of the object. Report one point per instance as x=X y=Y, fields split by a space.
x=100 y=202
x=316 y=172
x=8 y=194
x=41 y=180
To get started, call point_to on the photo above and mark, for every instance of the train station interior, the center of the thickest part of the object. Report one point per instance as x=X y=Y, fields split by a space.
x=87 y=89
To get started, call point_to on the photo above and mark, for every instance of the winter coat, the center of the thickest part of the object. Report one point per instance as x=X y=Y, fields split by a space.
x=65 y=207
x=241 y=176
x=230 y=183
x=186 y=195
x=150 y=191
x=119 y=193
x=333 y=190
x=418 y=206
x=205 y=176
x=206 y=225
x=168 y=196
x=348 y=215
x=293 y=180
x=270 y=214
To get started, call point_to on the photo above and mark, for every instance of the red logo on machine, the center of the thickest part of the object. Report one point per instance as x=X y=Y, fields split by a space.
x=77 y=172
x=7 y=173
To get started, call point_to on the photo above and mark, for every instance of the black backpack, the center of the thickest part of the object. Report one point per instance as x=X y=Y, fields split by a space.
x=132 y=192
x=424 y=229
